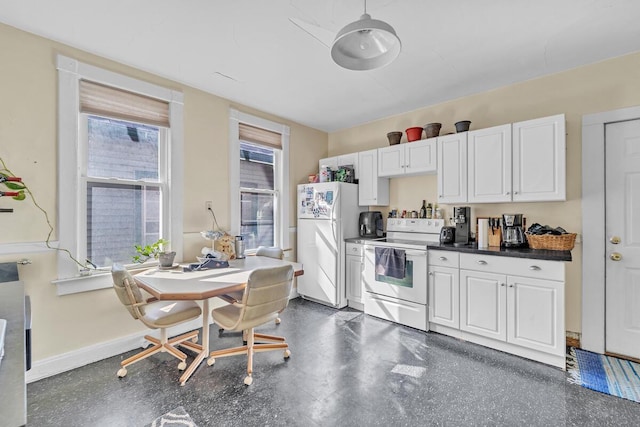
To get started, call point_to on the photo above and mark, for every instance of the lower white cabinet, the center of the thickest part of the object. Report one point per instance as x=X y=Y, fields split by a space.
x=514 y=305
x=354 y=270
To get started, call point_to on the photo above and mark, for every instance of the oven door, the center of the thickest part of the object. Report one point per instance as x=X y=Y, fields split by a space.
x=414 y=285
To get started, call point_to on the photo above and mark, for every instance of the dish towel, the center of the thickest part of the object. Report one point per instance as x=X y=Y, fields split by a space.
x=390 y=262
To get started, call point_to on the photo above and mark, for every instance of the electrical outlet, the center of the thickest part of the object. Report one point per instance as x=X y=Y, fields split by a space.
x=208 y=205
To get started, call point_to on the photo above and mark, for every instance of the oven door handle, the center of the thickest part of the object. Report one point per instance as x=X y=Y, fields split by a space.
x=406 y=251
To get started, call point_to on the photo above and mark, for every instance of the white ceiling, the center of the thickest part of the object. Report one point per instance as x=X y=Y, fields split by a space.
x=250 y=51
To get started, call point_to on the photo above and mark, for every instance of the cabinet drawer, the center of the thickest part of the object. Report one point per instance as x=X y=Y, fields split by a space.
x=539 y=269
x=354 y=249
x=444 y=258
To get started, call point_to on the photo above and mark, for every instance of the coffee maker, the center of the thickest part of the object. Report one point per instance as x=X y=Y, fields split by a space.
x=462 y=220
x=512 y=231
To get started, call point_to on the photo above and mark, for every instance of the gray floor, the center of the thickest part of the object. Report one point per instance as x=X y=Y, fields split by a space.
x=346 y=369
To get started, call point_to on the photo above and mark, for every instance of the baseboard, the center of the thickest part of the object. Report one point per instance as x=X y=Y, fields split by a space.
x=74 y=359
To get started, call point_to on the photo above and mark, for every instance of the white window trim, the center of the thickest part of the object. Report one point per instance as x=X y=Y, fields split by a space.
x=281 y=179
x=70 y=72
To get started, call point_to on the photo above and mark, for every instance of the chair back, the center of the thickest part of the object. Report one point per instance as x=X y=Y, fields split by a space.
x=273 y=252
x=128 y=291
x=266 y=294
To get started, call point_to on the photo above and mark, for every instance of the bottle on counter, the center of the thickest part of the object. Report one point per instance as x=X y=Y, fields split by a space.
x=429 y=211
x=423 y=209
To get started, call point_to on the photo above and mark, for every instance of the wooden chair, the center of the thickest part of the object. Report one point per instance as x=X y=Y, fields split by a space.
x=266 y=295
x=156 y=315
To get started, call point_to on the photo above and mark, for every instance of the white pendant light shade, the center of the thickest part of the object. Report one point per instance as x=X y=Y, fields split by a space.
x=365 y=44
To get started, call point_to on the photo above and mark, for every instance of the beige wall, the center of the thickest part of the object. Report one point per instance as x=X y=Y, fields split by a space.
x=28 y=145
x=600 y=87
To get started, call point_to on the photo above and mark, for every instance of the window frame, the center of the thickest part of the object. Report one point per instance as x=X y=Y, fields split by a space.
x=281 y=174
x=72 y=163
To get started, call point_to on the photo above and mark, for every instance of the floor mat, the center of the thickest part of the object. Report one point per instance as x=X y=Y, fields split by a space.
x=175 y=418
x=605 y=374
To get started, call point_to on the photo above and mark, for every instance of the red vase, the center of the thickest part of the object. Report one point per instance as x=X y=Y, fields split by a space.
x=414 y=134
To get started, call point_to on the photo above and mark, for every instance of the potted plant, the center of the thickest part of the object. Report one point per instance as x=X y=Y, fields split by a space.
x=156 y=251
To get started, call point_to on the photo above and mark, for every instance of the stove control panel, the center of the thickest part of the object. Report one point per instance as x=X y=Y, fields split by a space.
x=415 y=225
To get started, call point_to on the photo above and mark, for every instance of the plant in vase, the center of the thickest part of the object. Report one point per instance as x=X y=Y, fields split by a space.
x=156 y=251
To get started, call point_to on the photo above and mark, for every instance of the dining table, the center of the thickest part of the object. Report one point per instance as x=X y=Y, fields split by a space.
x=200 y=285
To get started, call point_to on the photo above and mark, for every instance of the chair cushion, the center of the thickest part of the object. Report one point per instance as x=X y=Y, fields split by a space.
x=161 y=314
x=273 y=252
x=119 y=275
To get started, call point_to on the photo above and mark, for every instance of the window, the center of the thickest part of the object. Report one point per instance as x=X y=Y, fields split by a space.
x=259 y=194
x=120 y=155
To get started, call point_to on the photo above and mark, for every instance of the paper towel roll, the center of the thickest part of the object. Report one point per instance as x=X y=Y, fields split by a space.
x=483 y=233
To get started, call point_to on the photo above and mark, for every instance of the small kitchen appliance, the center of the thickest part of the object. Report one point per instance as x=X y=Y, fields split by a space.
x=462 y=220
x=512 y=231
x=371 y=224
x=447 y=234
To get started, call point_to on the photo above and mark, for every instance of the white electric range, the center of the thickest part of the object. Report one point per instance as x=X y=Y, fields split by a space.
x=400 y=298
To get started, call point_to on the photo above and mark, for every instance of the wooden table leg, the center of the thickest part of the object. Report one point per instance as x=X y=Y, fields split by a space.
x=205 y=344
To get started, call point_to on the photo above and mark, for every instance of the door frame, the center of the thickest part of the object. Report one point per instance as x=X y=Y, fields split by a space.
x=593 y=224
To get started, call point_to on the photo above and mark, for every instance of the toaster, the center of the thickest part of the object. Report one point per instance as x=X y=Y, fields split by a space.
x=447 y=234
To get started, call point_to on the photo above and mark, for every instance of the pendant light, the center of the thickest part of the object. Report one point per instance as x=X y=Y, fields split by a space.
x=365 y=44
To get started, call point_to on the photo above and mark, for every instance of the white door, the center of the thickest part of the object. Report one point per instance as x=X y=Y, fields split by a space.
x=354 y=268
x=318 y=252
x=535 y=314
x=623 y=223
x=444 y=296
x=483 y=298
x=452 y=168
x=489 y=157
x=420 y=156
x=391 y=160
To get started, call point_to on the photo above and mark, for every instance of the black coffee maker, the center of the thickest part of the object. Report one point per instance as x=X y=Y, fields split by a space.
x=512 y=231
x=462 y=220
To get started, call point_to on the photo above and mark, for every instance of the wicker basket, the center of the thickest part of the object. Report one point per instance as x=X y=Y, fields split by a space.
x=562 y=242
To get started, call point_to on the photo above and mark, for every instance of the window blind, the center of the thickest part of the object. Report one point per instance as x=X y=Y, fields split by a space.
x=260 y=136
x=117 y=103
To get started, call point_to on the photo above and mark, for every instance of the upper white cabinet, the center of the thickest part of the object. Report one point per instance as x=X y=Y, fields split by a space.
x=489 y=161
x=539 y=160
x=344 y=160
x=452 y=168
x=519 y=162
x=412 y=158
x=372 y=189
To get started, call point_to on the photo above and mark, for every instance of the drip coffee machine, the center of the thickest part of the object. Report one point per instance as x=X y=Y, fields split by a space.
x=512 y=231
x=462 y=220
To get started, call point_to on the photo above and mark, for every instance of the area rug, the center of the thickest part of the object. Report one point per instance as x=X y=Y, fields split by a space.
x=605 y=374
x=175 y=418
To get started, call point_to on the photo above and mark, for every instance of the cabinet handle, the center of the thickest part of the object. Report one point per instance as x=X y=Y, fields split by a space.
x=534 y=268
x=501 y=284
x=511 y=286
x=431 y=273
x=507 y=193
x=515 y=192
x=482 y=262
x=443 y=258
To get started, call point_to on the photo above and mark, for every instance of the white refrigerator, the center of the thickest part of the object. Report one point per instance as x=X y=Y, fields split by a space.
x=328 y=213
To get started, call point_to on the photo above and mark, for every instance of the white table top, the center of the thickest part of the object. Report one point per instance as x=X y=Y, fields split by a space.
x=196 y=285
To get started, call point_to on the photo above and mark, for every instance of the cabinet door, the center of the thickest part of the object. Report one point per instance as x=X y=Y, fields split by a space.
x=444 y=296
x=535 y=313
x=539 y=159
x=355 y=267
x=391 y=161
x=452 y=168
x=372 y=191
x=489 y=159
x=420 y=156
x=482 y=304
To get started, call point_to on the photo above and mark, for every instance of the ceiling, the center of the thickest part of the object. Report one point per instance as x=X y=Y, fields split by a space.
x=255 y=52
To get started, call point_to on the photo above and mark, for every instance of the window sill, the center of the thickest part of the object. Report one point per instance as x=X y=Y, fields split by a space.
x=98 y=279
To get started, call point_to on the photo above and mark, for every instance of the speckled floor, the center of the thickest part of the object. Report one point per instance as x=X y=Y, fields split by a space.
x=346 y=369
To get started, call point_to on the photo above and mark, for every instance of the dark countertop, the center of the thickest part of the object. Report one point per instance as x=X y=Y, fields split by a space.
x=472 y=248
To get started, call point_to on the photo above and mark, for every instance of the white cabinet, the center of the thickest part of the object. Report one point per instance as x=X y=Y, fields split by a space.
x=489 y=161
x=539 y=159
x=514 y=305
x=452 y=168
x=343 y=160
x=353 y=272
x=412 y=158
x=372 y=189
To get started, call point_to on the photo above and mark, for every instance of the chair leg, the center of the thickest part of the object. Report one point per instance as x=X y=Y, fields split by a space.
x=250 y=343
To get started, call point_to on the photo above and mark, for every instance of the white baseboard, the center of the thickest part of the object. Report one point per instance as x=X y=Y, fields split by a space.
x=74 y=359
